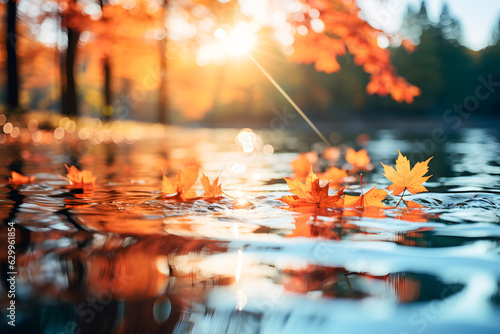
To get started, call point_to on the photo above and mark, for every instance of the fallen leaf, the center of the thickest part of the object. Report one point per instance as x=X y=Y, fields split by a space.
x=213 y=190
x=17 y=179
x=359 y=159
x=181 y=187
x=404 y=178
x=331 y=153
x=334 y=175
x=372 y=198
x=80 y=179
x=310 y=193
x=303 y=164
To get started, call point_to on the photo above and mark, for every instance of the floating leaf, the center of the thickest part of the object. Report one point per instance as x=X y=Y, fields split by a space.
x=17 y=179
x=213 y=190
x=310 y=193
x=182 y=186
x=404 y=178
x=359 y=159
x=80 y=179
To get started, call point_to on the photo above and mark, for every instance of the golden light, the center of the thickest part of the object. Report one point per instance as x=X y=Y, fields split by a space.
x=239 y=41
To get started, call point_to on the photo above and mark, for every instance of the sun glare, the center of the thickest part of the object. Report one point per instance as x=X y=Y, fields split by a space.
x=240 y=40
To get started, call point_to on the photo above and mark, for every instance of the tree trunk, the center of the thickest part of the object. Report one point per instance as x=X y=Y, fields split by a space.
x=163 y=94
x=108 y=105
x=69 y=101
x=163 y=110
x=12 y=75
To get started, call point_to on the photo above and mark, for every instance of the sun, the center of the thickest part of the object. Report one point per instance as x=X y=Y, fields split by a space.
x=239 y=40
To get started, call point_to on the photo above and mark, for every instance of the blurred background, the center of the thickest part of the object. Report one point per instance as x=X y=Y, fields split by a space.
x=158 y=61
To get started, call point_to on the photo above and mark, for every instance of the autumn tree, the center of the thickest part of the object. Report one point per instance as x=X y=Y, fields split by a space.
x=12 y=75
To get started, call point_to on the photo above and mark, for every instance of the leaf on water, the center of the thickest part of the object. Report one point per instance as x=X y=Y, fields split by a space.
x=310 y=193
x=212 y=190
x=17 y=179
x=358 y=160
x=80 y=179
x=406 y=178
x=333 y=175
x=372 y=198
x=303 y=164
x=181 y=187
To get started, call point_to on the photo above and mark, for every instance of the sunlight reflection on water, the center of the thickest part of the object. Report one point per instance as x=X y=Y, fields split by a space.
x=150 y=264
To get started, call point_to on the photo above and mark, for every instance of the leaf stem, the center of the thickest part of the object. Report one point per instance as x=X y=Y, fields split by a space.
x=402 y=194
x=361 y=182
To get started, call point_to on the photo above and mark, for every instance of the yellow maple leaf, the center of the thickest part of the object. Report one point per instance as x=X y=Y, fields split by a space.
x=372 y=198
x=406 y=178
x=213 y=190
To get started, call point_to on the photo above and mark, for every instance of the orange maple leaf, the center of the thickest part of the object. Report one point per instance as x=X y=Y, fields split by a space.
x=80 y=179
x=359 y=159
x=372 y=198
x=181 y=187
x=17 y=178
x=404 y=178
x=213 y=190
x=310 y=193
x=333 y=175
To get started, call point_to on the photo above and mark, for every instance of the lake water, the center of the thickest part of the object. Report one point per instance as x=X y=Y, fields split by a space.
x=122 y=259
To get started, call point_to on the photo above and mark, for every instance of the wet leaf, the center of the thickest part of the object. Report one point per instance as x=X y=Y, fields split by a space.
x=372 y=198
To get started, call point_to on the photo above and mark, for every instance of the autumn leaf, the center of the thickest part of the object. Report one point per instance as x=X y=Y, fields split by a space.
x=359 y=159
x=372 y=198
x=213 y=190
x=83 y=179
x=303 y=164
x=181 y=187
x=17 y=179
x=333 y=175
x=310 y=193
x=404 y=178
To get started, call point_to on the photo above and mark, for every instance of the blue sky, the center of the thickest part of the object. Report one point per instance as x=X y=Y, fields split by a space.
x=477 y=17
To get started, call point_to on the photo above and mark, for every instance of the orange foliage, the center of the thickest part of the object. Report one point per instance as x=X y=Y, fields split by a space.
x=17 y=178
x=333 y=175
x=303 y=164
x=83 y=179
x=212 y=190
x=372 y=198
x=310 y=193
x=358 y=160
x=181 y=187
x=344 y=30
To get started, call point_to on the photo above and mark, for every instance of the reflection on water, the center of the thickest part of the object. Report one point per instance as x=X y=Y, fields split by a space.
x=120 y=259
